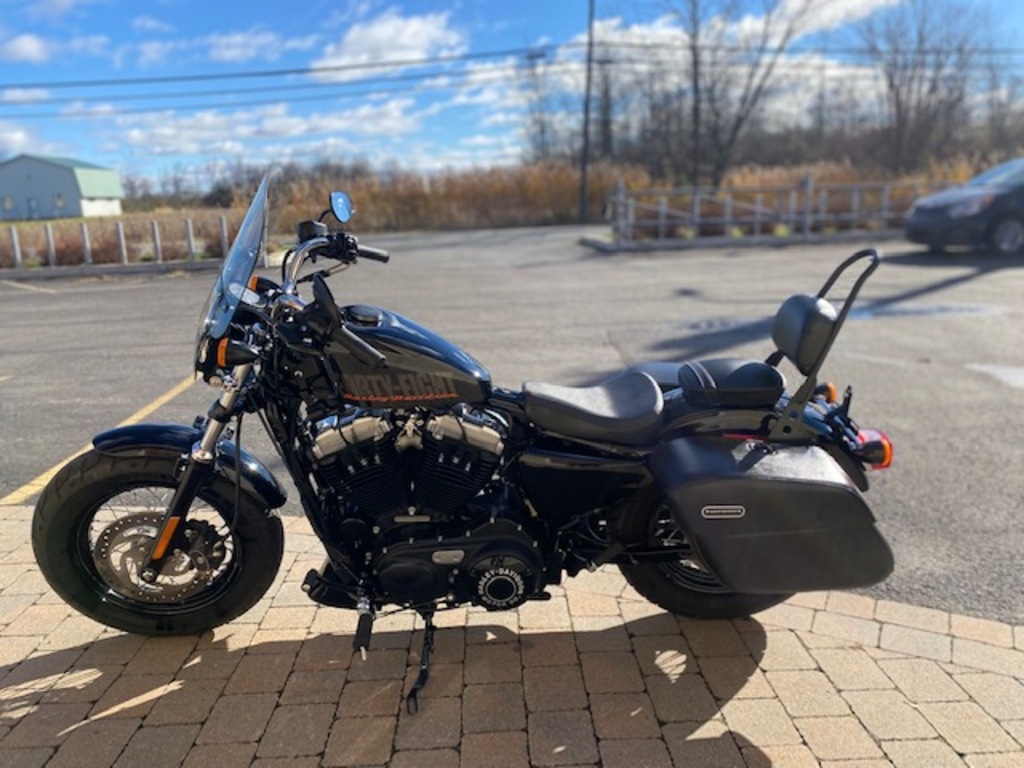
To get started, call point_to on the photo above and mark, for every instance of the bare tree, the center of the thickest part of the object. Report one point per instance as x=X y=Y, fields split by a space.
x=540 y=130
x=924 y=51
x=732 y=54
x=1003 y=129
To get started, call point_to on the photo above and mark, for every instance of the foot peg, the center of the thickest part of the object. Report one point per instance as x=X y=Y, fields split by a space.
x=361 y=642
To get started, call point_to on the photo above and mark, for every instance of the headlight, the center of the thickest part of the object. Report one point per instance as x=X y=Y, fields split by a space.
x=970 y=206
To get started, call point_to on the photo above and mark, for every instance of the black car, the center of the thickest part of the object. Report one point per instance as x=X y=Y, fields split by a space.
x=986 y=212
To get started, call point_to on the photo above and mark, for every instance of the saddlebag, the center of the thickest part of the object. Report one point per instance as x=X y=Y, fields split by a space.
x=770 y=518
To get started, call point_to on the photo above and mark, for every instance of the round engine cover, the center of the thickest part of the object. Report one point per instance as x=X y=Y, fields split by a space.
x=501 y=583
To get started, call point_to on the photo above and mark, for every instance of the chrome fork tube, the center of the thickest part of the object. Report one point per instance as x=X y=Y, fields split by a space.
x=204 y=451
x=198 y=468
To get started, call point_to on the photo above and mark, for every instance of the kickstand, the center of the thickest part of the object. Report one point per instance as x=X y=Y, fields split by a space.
x=412 y=700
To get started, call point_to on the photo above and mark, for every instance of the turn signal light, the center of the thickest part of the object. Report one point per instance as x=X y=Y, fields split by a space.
x=828 y=391
x=231 y=353
x=875 y=448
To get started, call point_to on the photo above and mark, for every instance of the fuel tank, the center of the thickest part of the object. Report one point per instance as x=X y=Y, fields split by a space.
x=423 y=369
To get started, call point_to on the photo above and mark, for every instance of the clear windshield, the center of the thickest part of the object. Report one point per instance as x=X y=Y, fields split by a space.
x=250 y=244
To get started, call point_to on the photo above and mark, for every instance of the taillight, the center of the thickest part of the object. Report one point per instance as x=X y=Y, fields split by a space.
x=874 y=448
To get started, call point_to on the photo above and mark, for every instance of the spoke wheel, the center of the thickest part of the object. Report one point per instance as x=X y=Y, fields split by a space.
x=96 y=522
x=683 y=585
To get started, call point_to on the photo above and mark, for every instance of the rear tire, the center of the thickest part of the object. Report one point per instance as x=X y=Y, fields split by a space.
x=685 y=586
x=98 y=515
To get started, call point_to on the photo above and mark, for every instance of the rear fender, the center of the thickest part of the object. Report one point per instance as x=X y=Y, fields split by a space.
x=770 y=518
x=145 y=440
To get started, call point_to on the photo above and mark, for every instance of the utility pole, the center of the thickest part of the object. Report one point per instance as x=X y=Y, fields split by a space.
x=585 y=154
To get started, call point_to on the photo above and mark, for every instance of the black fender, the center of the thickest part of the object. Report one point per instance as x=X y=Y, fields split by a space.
x=163 y=439
x=771 y=518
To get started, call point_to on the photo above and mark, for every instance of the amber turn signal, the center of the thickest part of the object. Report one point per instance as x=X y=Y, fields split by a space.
x=875 y=448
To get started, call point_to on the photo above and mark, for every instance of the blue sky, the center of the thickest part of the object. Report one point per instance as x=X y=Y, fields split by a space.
x=205 y=93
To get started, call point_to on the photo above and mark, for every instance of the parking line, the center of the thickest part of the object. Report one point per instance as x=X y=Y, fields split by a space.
x=26 y=287
x=34 y=486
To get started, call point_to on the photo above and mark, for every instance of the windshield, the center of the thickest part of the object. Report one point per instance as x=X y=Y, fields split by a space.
x=231 y=283
x=1007 y=173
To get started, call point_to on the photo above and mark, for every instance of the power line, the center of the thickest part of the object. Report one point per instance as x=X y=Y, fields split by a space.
x=464 y=80
x=253 y=74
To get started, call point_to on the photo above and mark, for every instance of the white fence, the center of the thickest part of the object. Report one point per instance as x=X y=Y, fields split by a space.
x=59 y=243
x=691 y=215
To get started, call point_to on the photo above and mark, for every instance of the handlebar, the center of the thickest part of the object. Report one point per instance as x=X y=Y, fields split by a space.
x=341 y=246
x=374 y=254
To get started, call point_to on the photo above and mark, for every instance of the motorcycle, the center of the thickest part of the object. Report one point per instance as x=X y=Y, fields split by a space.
x=714 y=489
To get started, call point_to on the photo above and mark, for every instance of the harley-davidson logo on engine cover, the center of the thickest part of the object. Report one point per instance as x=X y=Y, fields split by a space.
x=384 y=387
x=723 y=512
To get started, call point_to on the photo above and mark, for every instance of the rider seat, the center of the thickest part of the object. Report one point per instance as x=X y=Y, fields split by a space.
x=624 y=410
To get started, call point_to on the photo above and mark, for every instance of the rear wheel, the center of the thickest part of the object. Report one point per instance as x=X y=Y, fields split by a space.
x=683 y=585
x=97 y=519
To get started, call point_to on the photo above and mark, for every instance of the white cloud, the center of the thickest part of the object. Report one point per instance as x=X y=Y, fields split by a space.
x=50 y=9
x=151 y=24
x=15 y=139
x=826 y=15
x=23 y=95
x=254 y=44
x=390 y=37
x=91 y=45
x=25 y=48
x=230 y=47
x=154 y=52
x=210 y=133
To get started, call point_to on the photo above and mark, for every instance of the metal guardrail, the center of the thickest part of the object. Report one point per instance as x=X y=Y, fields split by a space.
x=651 y=218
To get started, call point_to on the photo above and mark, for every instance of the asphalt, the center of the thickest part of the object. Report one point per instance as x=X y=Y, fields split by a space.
x=596 y=676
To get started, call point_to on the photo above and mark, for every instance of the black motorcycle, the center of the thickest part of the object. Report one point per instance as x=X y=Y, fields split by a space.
x=714 y=489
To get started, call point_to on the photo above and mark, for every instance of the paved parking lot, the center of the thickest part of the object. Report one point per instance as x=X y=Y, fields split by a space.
x=925 y=670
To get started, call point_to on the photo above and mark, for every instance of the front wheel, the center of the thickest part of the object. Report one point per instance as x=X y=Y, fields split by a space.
x=97 y=519
x=683 y=585
x=1006 y=237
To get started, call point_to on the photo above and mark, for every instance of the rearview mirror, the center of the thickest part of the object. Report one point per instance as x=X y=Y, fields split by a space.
x=341 y=206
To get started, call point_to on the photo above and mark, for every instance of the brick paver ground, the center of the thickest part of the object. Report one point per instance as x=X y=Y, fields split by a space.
x=595 y=676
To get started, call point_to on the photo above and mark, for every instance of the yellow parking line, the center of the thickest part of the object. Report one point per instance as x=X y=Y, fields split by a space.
x=34 y=486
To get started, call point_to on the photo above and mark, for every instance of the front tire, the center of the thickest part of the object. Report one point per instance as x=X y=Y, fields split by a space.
x=1006 y=236
x=685 y=585
x=97 y=518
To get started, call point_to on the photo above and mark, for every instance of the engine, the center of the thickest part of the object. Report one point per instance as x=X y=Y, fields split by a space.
x=416 y=499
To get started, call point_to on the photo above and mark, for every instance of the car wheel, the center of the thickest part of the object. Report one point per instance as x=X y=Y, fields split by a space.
x=1006 y=237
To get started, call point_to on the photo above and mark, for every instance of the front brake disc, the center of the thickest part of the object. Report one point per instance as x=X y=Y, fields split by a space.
x=120 y=554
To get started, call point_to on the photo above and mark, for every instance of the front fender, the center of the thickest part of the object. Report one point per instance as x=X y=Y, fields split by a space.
x=161 y=439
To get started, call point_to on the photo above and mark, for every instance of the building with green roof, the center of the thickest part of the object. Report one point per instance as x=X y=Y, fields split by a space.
x=42 y=187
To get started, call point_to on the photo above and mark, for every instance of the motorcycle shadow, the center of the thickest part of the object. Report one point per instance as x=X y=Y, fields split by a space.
x=647 y=689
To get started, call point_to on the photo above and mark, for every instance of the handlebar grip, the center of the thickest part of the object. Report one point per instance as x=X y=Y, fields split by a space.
x=374 y=254
x=364 y=352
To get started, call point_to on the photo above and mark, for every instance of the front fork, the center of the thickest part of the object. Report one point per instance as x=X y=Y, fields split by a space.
x=199 y=466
